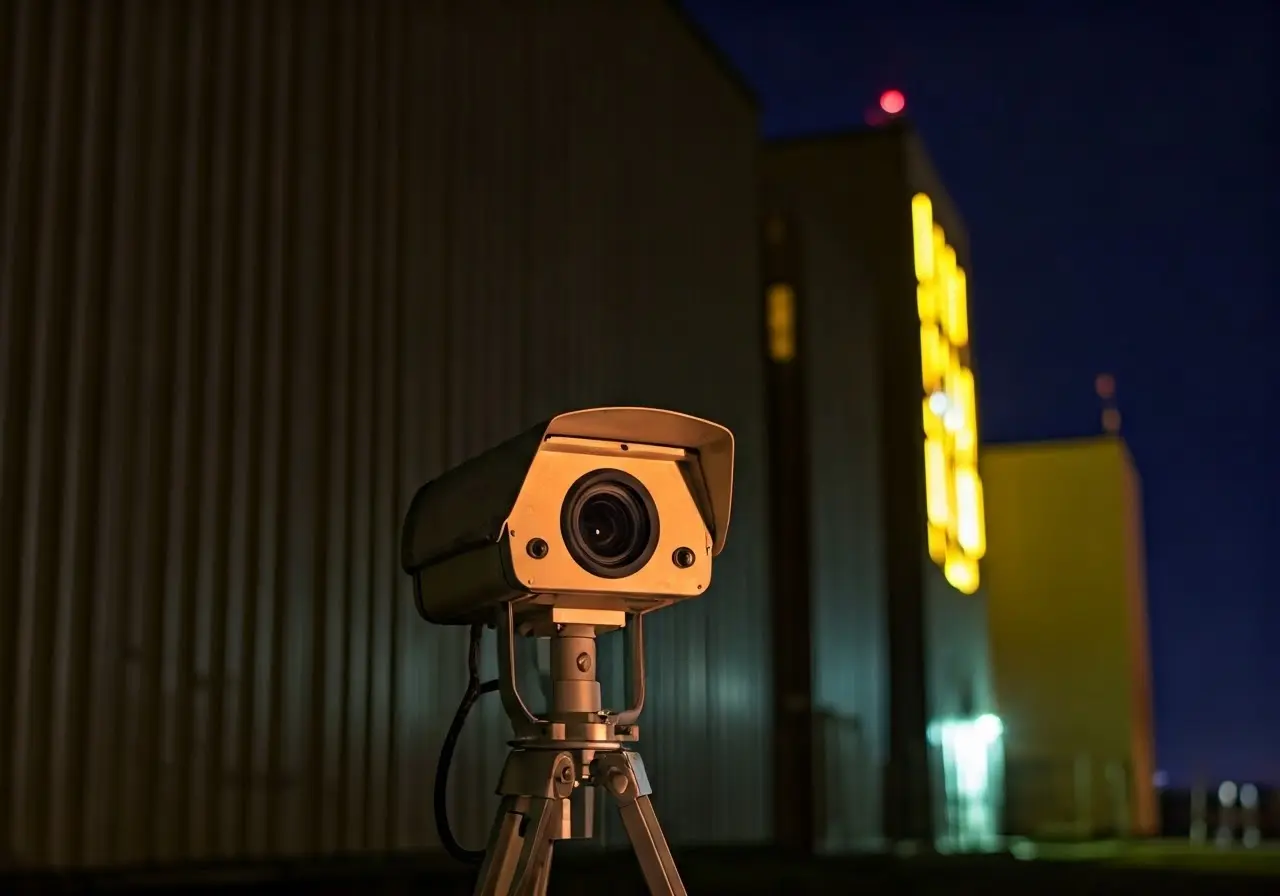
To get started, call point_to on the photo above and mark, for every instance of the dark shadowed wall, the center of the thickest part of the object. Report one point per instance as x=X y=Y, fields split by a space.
x=264 y=268
x=845 y=550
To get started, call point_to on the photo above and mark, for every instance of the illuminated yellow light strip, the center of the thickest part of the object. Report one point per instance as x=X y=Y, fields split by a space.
x=927 y=303
x=937 y=544
x=958 y=309
x=969 y=530
x=922 y=231
x=932 y=423
x=953 y=489
x=937 y=507
x=953 y=521
x=962 y=573
x=781 y=311
x=945 y=284
x=933 y=353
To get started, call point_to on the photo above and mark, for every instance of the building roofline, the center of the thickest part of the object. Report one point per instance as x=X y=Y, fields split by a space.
x=717 y=56
x=1030 y=445
x=898 y=128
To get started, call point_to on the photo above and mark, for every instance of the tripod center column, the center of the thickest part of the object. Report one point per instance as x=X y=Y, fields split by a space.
x=574 y=687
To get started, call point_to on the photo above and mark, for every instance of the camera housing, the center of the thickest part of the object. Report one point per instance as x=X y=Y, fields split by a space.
x=604 y=509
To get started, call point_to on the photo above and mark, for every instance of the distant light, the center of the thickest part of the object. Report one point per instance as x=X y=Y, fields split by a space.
x=1249 y=796
x=1227 y=791
x=1023 y=849
x=892 y=101
x=1105 y=384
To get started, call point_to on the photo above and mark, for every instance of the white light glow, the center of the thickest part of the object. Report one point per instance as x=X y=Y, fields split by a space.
x=1248 y=796
x=970 y=757
x=1227 y=794
x=989 y=727
x=939 y=403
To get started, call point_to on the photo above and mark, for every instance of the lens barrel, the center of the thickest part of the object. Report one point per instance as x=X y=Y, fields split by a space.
x=609 y=523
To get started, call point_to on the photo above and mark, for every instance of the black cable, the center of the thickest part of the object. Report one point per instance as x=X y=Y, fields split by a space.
x=474 y=689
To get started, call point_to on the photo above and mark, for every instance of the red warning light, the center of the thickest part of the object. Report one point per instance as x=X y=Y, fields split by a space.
x=892 y=101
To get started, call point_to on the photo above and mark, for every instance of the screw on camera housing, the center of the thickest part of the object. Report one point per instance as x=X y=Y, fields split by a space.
x=683 y=557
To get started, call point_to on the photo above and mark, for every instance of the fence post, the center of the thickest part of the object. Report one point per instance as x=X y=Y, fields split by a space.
x=1199 y=811
x=1251 y=833
x=1084 y=795
x=1118 y=787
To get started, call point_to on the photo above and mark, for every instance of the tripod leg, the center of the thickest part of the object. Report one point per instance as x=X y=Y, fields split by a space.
x=543 y=878
x=517 y=858
x=624 y=775
x=503 y=849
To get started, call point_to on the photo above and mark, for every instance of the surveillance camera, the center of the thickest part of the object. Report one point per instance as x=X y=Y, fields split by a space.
x=609 y=509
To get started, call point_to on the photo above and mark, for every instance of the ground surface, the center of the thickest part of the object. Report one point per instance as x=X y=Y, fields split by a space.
x=1170 y=869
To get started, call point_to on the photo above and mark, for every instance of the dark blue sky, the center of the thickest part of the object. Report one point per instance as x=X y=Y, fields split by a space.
x=1116 y=165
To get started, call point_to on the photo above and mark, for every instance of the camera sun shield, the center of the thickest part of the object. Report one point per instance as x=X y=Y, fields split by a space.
x=608 y=509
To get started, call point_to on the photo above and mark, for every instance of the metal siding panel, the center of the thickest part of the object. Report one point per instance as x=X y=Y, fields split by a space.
x=119 y=78
x=237 y=269
x=203 y=726
x=813 y=183
x=83 y=446
x=799 y=787
x=22 y=149
x=849 y=592
x=263 y=700
x=49 y=610
x=849 y=545
x=380 y=779
x=114 y=655
x=265 y=269
x=285 y=379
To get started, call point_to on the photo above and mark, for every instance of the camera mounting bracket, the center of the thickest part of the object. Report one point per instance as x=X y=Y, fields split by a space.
x=557 y=763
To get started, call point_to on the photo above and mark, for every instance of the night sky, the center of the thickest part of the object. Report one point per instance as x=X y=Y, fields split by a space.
x=1116 y=166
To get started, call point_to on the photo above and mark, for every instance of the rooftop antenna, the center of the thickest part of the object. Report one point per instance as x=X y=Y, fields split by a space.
x=1105 y=384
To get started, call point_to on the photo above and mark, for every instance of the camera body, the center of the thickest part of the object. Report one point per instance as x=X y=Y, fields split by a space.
x=605 y=509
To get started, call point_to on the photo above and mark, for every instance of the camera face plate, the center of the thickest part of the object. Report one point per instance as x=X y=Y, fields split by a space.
x=559 y=471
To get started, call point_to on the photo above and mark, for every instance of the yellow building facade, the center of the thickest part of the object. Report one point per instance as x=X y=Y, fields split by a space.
x=1065 y=580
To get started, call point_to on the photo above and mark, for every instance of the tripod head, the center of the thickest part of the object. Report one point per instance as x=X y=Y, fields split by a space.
x=576 y=718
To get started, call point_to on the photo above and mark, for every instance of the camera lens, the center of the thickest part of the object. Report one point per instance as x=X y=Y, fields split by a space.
x=609 y=523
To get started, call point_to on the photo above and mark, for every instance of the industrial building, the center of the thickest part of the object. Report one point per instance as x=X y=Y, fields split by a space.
x=266 y=268
x=877 y=510
x=1066 y=589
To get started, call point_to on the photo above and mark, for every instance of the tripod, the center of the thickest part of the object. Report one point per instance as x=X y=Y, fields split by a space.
x=578 y=745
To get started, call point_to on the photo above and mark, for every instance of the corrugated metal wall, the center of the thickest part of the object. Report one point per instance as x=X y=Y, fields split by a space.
x=264 y=268
x=811 y=181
